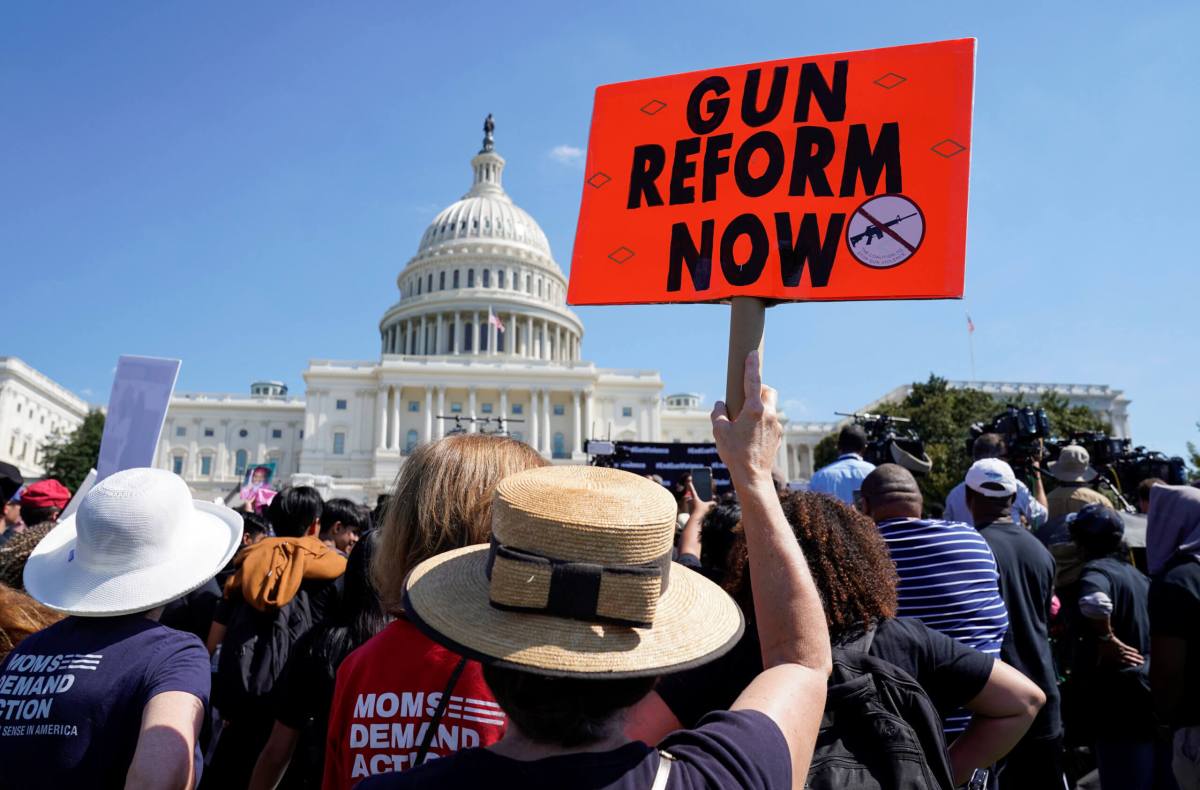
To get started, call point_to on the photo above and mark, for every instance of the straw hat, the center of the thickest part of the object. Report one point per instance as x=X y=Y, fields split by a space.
x=577 y=581
x=1073 y=466
x=137 y=541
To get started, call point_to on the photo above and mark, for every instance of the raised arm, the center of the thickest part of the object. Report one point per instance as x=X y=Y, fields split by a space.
x=689 y=541
x=791 y=621
x=166 y=746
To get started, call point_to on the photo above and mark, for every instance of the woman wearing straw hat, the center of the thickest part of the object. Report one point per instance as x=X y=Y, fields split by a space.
x=575 y=609
x=431 y=701
x=108 y=697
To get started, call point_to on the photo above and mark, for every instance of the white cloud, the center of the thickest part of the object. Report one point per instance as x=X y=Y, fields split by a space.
x=794 y=407
x=567 y=155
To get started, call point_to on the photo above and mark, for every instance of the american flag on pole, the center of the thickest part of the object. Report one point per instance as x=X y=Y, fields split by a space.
x=494 y=320
x=970 y=325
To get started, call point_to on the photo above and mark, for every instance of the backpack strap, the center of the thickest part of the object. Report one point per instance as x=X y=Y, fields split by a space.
x=862 y=644
x=427 y=741
x=665 y=759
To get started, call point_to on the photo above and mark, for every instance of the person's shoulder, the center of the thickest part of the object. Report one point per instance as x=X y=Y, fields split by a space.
x=742 y=748
x=901 y=631
x=1184 y=573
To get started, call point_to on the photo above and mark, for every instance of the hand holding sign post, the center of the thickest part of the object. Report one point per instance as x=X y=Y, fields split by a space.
x=835 y=177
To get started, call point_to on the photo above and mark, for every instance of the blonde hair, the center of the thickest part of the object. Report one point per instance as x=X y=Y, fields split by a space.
x=442 y=501
x=21 y=616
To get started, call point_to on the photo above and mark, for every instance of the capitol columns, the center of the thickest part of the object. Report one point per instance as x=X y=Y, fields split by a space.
x=394 y=419
x=381 y=399
x=429 y=412
x=587 y=413
x=546 y=410
x=471 y=407
x=504 y=408
x=441 y=409
x=535 y=420
x=577 y=436
x=457 y=333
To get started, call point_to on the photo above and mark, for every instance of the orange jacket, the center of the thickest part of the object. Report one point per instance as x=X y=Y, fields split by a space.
x=269 y=572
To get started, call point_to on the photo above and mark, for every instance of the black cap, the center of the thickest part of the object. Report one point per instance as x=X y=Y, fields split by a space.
x=1098 y=521
x=10 y=481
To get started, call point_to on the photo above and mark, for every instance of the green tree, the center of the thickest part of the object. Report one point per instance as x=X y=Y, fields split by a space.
x=69 y=458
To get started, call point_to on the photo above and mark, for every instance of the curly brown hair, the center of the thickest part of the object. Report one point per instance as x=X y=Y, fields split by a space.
x=846 y=555
x=21 y=616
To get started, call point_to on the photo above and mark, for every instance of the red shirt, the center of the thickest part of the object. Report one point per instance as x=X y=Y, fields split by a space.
x=386 y=694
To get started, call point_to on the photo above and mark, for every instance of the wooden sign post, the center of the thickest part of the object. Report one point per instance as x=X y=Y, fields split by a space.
x=834 y=177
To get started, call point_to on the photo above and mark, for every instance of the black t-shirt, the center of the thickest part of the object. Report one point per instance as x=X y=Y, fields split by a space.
x=193 y=612
x=1026 y=570
x=302 y=697
x=1116 y=701
x=1175 y=612
x=951 y=673
x=742 y=749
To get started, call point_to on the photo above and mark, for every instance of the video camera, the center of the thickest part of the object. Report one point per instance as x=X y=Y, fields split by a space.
x=1024 y=430
x=890 y=441
x=1123 y=465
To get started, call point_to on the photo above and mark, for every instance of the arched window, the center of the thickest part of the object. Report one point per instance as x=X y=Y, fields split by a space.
x=470 y=278
x=500 y=279
x=429 y=283
x=528 y=284
x=418 y=286
x=560 y=445
x=484 y=334
x=239 y=462
x=468 y=336
x=456 y=278
x=450 y=336
x=487 y=278
x=500 y=339
x=441 y=281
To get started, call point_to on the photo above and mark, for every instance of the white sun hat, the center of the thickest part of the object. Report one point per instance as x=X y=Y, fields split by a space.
x=138 y=541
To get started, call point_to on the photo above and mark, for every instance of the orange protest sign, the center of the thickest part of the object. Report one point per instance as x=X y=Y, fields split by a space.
x=823 y=178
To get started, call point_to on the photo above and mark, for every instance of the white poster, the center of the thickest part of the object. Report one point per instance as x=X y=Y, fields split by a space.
x=137 y=408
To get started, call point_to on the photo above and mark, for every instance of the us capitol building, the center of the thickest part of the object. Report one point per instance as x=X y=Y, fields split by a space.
x=480 y=332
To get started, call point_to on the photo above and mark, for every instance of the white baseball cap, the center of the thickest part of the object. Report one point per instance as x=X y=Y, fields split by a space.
x=137 y=541
x=992 y=478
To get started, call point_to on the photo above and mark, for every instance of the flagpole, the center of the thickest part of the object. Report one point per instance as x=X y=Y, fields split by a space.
x=971 y=345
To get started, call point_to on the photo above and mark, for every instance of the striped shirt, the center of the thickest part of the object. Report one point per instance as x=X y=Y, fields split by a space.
x=948 y=581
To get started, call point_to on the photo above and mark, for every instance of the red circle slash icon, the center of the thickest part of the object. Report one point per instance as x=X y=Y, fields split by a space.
x=885 y=231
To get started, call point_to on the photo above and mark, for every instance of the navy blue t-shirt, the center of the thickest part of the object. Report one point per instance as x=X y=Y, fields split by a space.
x=1027 y=574
x=727 y=749
x=72 y=696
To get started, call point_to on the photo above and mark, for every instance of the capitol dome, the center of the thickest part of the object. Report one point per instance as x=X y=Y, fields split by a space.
x=483 y=281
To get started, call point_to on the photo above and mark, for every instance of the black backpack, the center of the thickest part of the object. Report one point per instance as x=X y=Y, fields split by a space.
x=880 y=730
x=254 y=651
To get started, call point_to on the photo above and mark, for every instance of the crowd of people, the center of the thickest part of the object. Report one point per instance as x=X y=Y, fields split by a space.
x=501 y=621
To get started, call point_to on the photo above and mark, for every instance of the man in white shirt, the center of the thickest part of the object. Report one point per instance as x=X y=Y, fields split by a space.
x=1029 y=508
x=843 y=478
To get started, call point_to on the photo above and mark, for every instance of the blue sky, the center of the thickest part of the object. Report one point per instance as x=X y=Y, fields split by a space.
x=238 y=185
